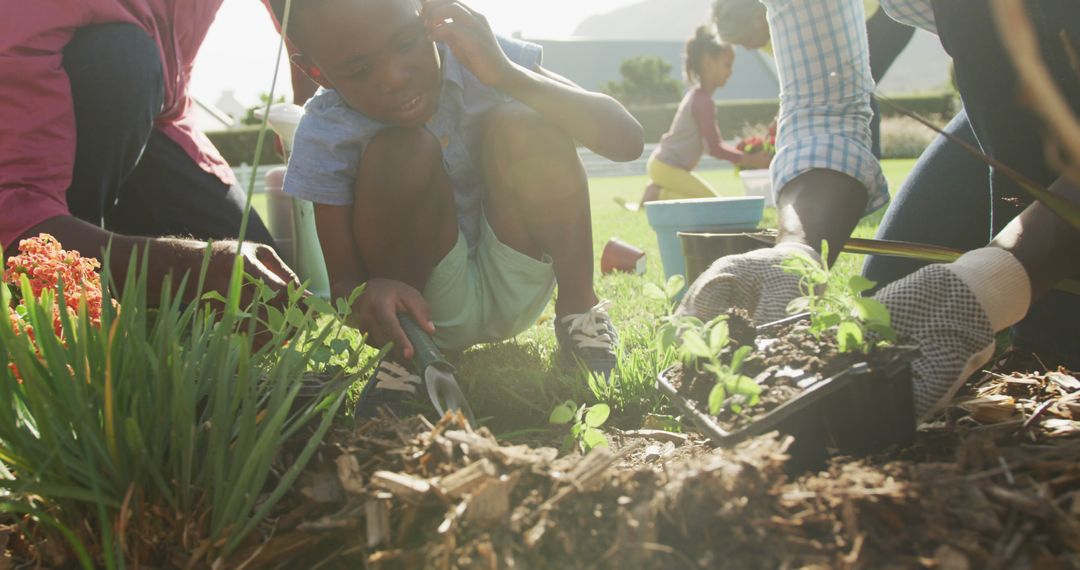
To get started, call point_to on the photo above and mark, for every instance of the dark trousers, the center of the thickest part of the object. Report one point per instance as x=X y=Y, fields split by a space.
x=128 y=176
x=886 y=39
x=947 y=199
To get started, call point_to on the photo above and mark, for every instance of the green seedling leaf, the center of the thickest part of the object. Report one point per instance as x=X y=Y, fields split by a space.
x=667 y=337
x=653 y=291
x=213 y=296
x=265 y=292
x=828 y=320
x=339 y=346
x=321 y=306
x=798 y=305
x=321 y=354
x=663 y=422
x=718 y=337
x=597 y=415
x=849 y=337
x=739 y=356
x=294 y=316
x=716 y=398
x=884 y=331
x=593 y=438
x=859 y=284
x=674 y=284
x=694 y=345
x=274 y=318
x=562 y=414
x=871 y=311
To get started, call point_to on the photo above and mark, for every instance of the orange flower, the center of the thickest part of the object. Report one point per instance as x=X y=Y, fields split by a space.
x=45 y=265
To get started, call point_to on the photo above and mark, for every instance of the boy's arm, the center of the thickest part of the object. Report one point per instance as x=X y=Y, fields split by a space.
x=599 y=122
x=334 y=226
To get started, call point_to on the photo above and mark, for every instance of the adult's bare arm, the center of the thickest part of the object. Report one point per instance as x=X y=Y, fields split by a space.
x=169 y=258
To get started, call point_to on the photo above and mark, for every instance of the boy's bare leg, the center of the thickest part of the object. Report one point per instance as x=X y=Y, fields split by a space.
x=538 y=199
x=404 y=219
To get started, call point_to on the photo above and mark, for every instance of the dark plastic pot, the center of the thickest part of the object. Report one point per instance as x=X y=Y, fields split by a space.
x=701 y=249
x=860 y=411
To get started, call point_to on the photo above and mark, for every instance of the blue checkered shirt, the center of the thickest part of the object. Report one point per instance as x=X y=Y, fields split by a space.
x=825 y=86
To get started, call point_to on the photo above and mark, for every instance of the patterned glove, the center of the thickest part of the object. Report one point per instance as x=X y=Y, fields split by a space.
x=952 y=312
x=751 y=281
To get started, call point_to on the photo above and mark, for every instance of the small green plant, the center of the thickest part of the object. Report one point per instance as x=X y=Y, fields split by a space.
x=669 y=294
x=585 y=422
x=704 y=344
x=855 y=319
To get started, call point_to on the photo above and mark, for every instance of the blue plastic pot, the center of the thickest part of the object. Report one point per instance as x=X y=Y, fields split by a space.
x=717 y=215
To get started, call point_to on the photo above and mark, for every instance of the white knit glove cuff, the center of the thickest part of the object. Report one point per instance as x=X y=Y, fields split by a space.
x=795 y=247
x=998 y=281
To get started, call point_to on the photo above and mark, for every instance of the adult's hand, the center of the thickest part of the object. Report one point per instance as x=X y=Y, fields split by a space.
x=260 y=262
x=377 y=308
x=754 y=282
x=951 y=311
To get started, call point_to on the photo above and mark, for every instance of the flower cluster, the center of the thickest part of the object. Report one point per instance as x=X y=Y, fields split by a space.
x=46 y=265
x=755 y=144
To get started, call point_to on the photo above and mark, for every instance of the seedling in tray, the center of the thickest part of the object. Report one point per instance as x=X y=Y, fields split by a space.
x=854 y=319
x=829 y=377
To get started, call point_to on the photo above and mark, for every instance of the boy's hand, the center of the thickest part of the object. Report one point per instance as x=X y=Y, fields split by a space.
x=470 y=37
x=377 y=308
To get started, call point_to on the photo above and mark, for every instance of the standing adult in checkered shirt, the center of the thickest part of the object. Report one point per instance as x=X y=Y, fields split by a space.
x=826 y=179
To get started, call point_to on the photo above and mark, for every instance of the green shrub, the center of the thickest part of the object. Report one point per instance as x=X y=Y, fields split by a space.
x=645 y=80
x=238 y=146
x=734 y=117
x=903 y=137
x=163 y=425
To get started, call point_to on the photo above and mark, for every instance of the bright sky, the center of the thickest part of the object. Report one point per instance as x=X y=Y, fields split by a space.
x=238 y=54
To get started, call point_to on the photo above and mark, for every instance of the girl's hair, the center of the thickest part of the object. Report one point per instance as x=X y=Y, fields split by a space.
x=702 y=44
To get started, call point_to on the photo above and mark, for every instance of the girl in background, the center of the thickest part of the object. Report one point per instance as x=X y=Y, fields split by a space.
x=694 y=131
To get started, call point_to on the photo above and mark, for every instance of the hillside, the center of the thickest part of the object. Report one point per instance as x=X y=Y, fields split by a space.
x=923 y=66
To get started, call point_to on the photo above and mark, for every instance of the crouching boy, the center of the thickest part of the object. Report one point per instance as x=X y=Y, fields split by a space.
x=442 y=165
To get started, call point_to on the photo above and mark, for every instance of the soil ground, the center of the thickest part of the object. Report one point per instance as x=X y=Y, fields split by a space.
x=992 y=482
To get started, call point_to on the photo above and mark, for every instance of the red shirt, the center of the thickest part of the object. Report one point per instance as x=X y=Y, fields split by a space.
x=37 y=119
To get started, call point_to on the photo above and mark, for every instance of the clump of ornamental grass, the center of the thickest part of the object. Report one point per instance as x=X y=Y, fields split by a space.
x=149 y=431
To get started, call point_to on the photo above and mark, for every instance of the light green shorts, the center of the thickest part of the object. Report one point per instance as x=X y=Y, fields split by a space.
x=488 y=296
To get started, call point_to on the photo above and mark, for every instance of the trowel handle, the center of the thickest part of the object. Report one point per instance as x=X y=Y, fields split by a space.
x=425 y=353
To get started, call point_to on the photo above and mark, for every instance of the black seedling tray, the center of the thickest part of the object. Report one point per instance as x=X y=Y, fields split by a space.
x=859 y=411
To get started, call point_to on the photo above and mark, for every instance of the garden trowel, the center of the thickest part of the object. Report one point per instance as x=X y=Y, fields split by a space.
x=436 y=372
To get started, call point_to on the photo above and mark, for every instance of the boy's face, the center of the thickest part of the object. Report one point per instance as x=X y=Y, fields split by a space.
x=377 y=55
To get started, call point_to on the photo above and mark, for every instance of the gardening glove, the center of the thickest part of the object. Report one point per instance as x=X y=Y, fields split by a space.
x=952 y=312
x=752 y=281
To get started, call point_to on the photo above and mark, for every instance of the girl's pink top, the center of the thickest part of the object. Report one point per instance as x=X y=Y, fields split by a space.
x=37 y=120
x=694 y=132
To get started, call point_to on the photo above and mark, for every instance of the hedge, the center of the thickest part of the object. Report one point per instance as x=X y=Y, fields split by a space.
x=238 y=146
x=734 y=116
